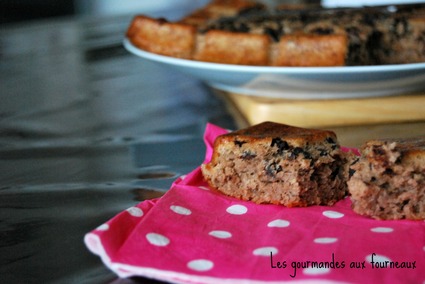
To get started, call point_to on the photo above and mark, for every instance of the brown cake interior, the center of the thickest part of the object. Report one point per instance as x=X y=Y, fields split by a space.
x=271 y=163
x=389 y=179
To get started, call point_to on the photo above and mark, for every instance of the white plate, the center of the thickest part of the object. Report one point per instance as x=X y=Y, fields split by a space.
x=299 y=82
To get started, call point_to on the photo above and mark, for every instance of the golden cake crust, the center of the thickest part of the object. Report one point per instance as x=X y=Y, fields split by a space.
x=162 y=37
x=216 y=9
x=310 y=50
x=233 y=48
x=268 y=130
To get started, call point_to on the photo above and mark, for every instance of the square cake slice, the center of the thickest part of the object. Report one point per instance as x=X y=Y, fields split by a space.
x=388 y=180
x=279 y=164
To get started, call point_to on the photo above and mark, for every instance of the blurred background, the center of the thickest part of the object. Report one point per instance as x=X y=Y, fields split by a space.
x=23 y=10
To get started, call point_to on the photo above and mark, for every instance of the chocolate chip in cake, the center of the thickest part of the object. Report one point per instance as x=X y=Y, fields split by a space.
x=239 y=143
x=330 y=140
x=323 y=31
x=273 y=168
x=389 y=172
x=248 y=155
x=273 y=33
x=280 y=144
x=307 y=155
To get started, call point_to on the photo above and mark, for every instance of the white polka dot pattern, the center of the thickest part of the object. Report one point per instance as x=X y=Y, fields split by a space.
x=279 y=223
x=325 y=240
x=196 y=235
x=103 y=227
x=157 y=239
x=316 y=271
x=382 y=230
x=226 y=227
x=237 y=209
x=180 y=210
x=135 y=212
x=265 y=251
x=333 y=214
x=220 y=234
x=376 y=258
x=200 y=264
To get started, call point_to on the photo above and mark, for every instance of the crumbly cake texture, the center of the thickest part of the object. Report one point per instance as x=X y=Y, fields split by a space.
x=248 y=33
x=279 y=164
x=388 y=180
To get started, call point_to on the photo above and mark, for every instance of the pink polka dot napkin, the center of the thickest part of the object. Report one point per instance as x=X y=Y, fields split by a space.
x=194 y=235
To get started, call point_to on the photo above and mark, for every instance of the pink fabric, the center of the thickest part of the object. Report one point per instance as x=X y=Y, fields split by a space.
x=194 y=235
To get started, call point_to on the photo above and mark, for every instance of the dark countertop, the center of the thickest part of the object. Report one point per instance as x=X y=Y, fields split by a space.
x=86 y=131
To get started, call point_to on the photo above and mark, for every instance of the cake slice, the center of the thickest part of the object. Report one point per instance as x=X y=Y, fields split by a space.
x=180 y=38
x=388 y=180
x=217 y=9
x=279 y=164
x=331 y=37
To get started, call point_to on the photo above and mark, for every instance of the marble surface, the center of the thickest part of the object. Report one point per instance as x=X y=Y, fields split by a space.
x=86 y=130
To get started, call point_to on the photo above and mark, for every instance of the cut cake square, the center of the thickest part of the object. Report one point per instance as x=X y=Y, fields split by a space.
x=279 y=164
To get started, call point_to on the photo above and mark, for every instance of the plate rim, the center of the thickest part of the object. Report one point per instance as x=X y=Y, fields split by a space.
x=268 y=69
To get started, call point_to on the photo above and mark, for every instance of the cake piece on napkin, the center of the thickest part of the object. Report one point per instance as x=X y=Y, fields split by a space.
x=389 y=179
x=279 y=164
